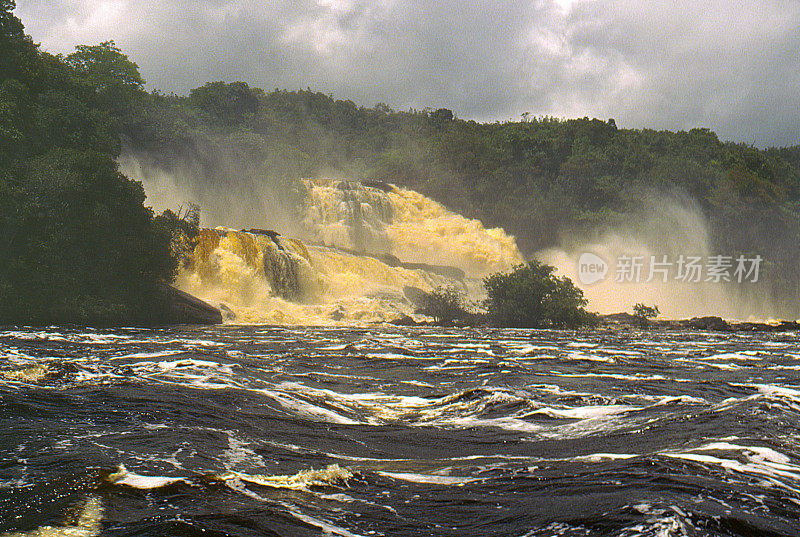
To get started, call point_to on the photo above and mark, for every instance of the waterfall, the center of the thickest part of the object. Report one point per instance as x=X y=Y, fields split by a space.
x=364 y=247
x=379 y=218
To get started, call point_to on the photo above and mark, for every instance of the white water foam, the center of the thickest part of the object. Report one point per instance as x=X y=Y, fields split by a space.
x=84 y=523
x=428 y=479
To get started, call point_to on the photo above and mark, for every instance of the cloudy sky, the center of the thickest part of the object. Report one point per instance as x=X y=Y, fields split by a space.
x=732 y=66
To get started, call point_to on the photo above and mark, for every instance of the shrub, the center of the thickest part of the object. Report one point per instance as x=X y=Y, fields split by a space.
x=642 y=314
x=445 y=304
x=531 y=296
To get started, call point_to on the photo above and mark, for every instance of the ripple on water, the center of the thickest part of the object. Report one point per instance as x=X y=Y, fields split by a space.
x=399 y=431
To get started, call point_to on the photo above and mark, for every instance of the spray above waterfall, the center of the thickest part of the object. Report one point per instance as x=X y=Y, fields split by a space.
x=663 y=256
x=366 y=248
x=345 y=251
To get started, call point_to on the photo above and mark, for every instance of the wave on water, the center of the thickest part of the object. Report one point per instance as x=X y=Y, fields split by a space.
x=332 y=475
x=82 y=520
x=447 y=432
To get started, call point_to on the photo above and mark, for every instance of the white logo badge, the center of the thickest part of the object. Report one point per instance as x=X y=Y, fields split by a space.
x=591 y=268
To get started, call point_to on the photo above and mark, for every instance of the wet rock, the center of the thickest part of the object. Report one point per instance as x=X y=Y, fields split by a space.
x=188 y=309
x=227 y=313
x=273 y=235
x=405 y=320
x=782 y=326
x=708 y=323
x=337 y=314
x=666 y=325
x=415 y=295
x=380 y=185
x=391 y=260
x=753 y=327
x=268 y=232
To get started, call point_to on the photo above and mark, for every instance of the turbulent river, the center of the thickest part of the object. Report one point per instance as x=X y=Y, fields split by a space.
x=252 y=431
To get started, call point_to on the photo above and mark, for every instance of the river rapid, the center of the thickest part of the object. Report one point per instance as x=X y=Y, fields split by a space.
x=254 y=430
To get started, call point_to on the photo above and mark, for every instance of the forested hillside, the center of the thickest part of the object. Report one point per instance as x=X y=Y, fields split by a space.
x=77 y=243
x=541 y=179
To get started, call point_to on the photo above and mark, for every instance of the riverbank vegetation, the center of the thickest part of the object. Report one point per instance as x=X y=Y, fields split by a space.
x=545 y=180
x=78 y=244
x=642 y=314
x=528 y=296
x=446 y=304
x=532 y=296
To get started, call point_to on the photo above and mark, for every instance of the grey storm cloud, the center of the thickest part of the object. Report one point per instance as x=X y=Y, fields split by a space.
x=731 y=66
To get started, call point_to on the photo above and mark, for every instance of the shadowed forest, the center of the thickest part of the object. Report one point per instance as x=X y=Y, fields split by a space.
x=79 y=245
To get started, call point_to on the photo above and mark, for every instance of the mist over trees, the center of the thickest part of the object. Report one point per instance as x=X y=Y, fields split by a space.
x=540 y=179
x=75 y=229
x=77 y=243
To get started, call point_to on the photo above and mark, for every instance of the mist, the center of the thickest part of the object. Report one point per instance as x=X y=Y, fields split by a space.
x=229 y=193
x=232 y=194
x=671 y=225
x=291 y=162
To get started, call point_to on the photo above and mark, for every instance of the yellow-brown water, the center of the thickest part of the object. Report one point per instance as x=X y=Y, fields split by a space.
x=406 y=224
x=271 y=279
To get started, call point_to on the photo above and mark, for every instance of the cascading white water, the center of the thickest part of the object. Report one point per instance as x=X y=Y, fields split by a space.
x=346 y=277
x=377 y=219
x=386 y=219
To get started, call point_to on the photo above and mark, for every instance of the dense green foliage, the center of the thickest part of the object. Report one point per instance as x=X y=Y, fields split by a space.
x=445 y=304
x=63 y=120
x=542 y=179
x=77 y=245
x=531 y=296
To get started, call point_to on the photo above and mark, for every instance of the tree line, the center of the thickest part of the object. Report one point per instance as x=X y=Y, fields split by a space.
x=78 y=243
x=542 y=179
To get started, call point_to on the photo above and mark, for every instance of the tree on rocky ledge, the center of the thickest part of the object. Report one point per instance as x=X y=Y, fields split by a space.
x=531 y=296
x=642 y=314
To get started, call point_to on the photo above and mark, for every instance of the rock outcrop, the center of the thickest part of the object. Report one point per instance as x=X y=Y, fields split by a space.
x=709 y=322
x=188 y=309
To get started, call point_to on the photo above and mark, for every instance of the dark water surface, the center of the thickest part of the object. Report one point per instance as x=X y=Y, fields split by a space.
x=253 y=431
